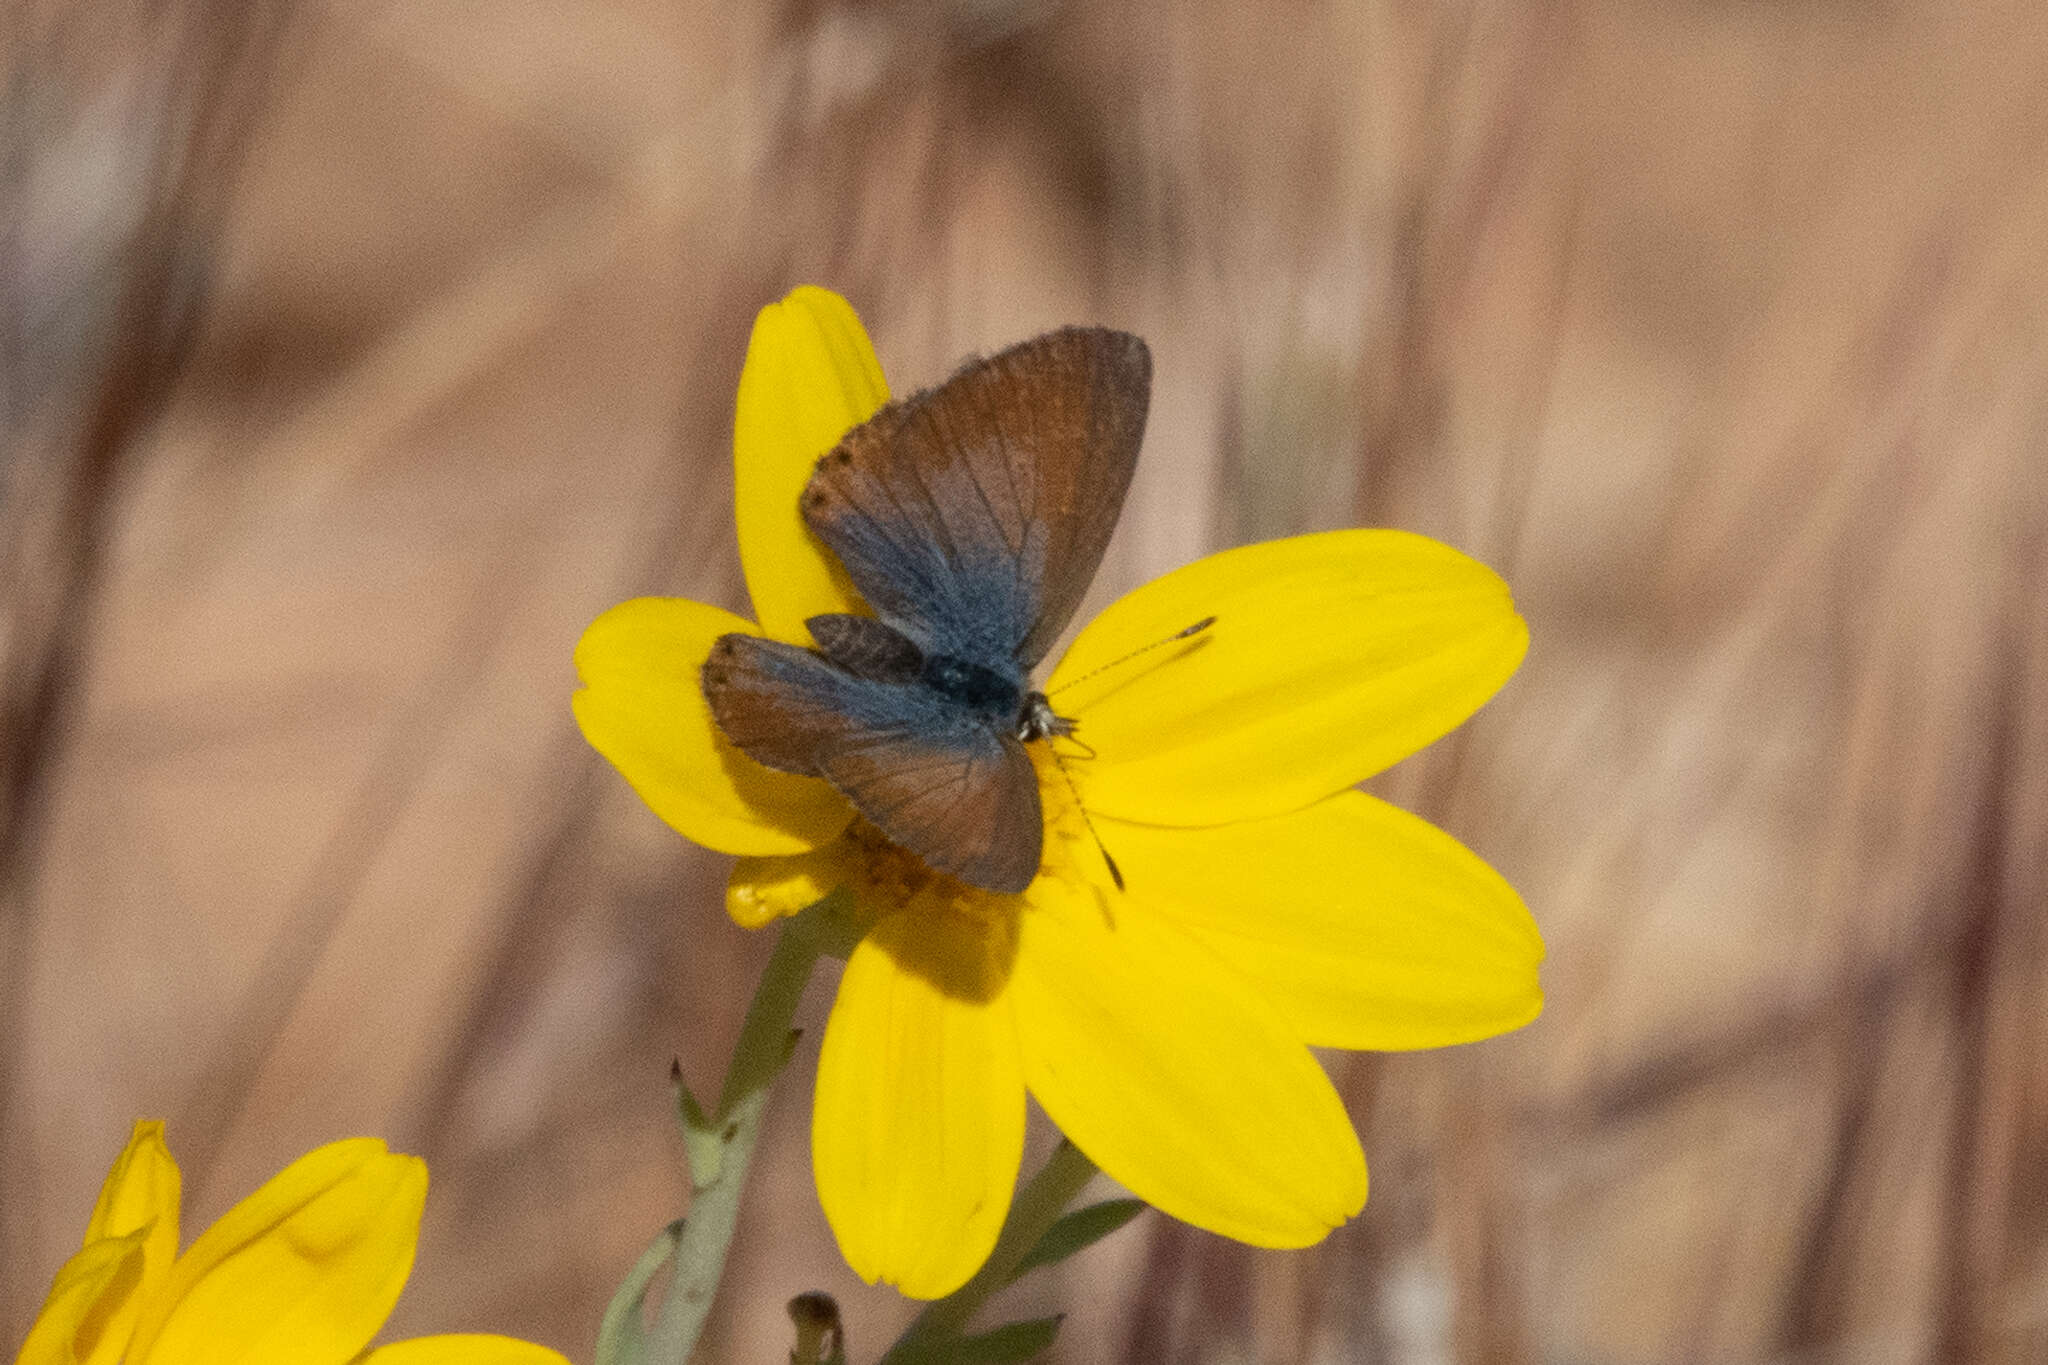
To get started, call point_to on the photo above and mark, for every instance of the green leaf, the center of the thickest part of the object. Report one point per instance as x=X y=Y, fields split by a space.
x=687 y=1108
x=1010 y=1344
x=1077 y=1231
x=703 y=1140
x=622 y=1337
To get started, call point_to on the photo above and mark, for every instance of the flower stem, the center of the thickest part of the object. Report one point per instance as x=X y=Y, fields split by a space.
x=620 y=1337
x=1038 y=1206
x=721 y=1145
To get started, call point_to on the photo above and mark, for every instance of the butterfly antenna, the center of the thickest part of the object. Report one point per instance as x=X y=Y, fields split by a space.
x=1116 y=874
x=1185 y=632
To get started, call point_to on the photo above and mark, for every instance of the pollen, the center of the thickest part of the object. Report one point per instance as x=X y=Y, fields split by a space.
x=895 y=874
x=890 y=879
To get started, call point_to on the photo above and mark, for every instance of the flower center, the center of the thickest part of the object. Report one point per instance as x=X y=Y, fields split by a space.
x=968 y=937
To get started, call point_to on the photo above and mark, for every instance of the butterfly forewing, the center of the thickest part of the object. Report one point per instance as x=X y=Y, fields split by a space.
x=974 y=515
x=929 y=774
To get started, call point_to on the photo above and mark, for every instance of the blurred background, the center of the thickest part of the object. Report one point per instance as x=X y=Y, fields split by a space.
x=357 y=355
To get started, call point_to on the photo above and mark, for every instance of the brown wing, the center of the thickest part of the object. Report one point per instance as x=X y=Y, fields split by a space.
x=775 y=701
x=970 y=808
x=973 y=515
x=865 y=647
x=934 y=777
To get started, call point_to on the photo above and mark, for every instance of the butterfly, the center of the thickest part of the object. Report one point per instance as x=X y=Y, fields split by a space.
x=972 y=517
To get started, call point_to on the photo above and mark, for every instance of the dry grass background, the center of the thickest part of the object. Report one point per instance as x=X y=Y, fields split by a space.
x=356 y=355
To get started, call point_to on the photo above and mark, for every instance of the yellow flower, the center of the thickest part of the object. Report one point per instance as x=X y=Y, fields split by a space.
x=302 y=1272
x=1268 y=907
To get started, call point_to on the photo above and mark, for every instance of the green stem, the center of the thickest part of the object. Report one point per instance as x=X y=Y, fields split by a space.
x=1038 y=1206
x=619 y=1336
x=721 y=1147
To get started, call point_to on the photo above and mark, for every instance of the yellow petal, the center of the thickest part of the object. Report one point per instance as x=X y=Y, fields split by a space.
x=1369 y=927
x=810 y=377
x=1332 y=656
x=1174 y=1075
x=141 y=1192
x=462 y=1350
x=919 y=1124
x=642 y=706
x=763 y=890
x=91 y=1304
x=302 y=1272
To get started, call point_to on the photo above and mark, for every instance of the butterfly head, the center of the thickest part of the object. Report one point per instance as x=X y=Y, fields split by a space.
x=1037 y=720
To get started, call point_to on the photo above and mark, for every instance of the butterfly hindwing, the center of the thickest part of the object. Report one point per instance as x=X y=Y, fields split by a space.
x=965 y=801
x=931 y=775
x=974 y=515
